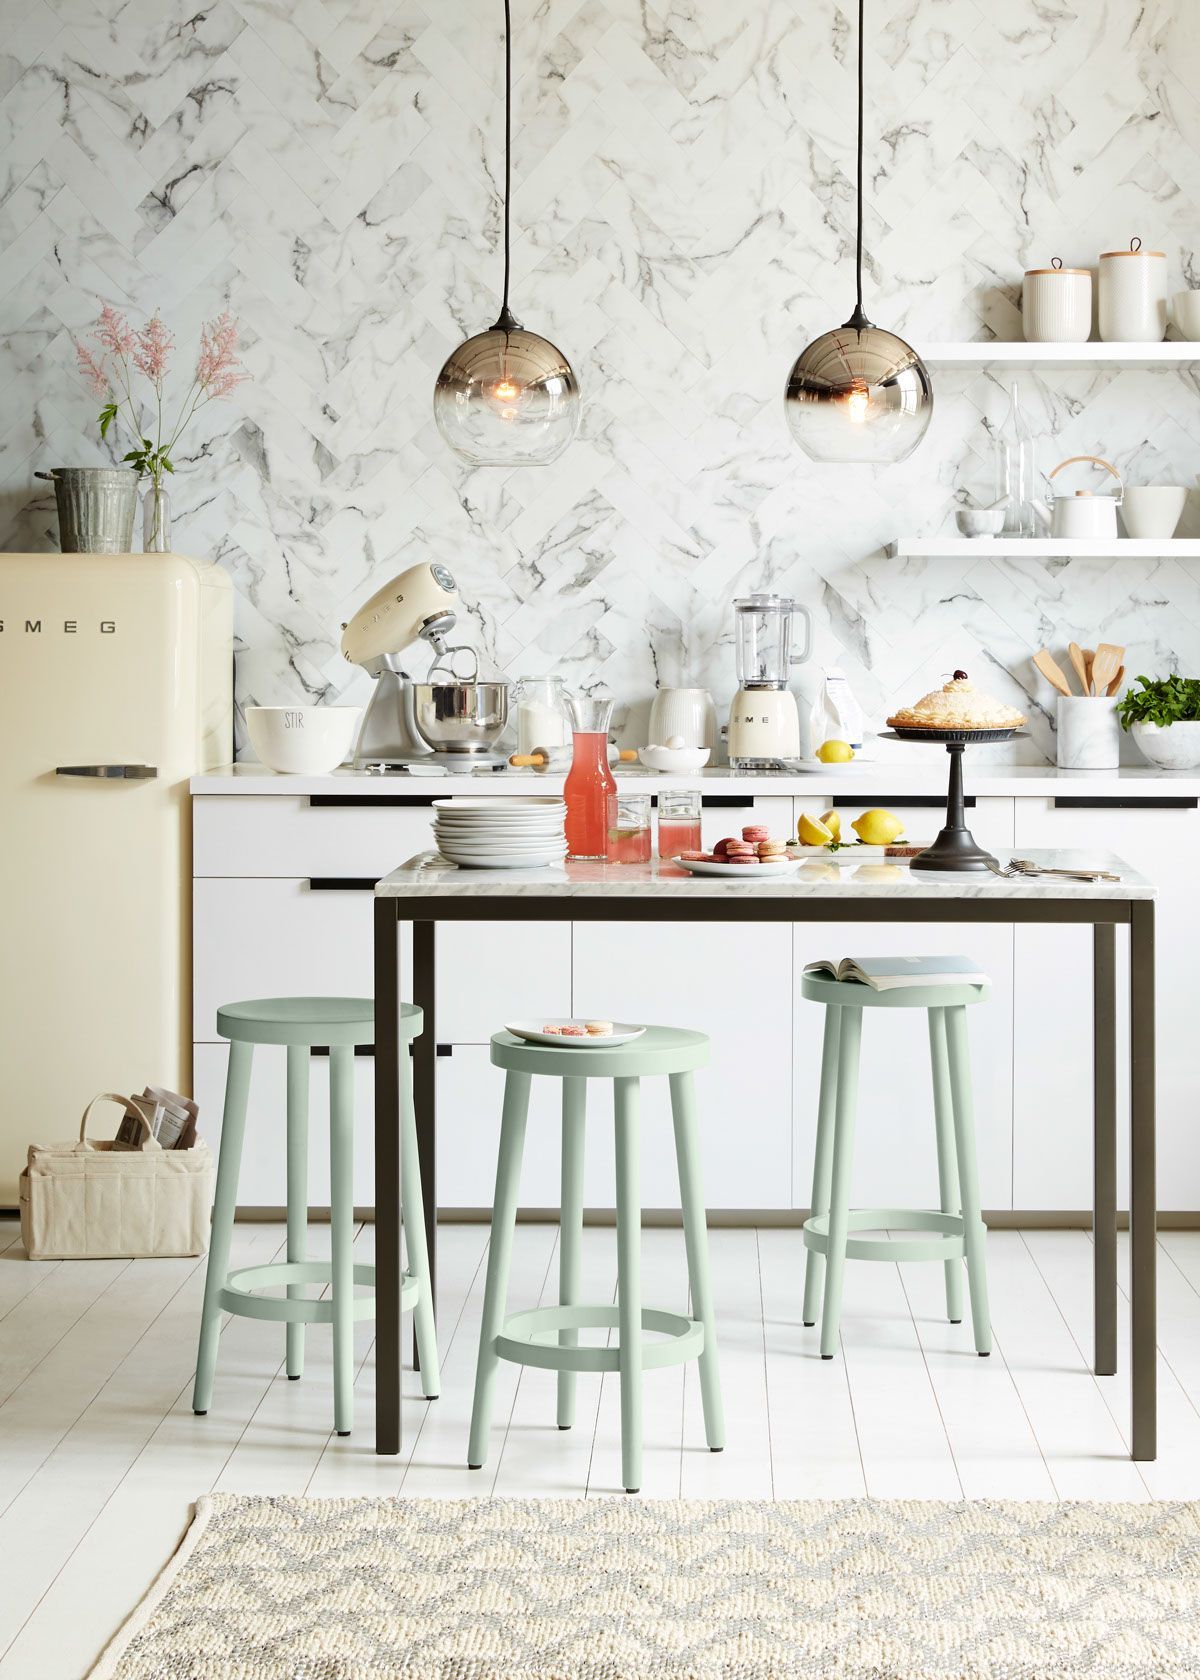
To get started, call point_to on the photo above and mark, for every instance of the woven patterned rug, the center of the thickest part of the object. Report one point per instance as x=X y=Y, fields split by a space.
x=630 y=1589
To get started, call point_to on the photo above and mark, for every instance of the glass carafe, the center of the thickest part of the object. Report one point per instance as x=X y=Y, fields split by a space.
x=763 y=634
x=543 y=719
x=589 y=780
x=1016 y=471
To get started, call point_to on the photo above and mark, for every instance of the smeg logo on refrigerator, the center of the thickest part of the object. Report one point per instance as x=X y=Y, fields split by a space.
x=51 y=627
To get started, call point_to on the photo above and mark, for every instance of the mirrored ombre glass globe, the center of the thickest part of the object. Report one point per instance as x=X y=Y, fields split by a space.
x=507 y=398
x=858 y=393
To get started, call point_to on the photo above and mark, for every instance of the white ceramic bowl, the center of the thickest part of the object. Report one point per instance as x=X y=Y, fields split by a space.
x=1175 y=748
x=1153 y=510
x=674 y=760
x=979 y=522
x=1185 y=311
x=302 y=740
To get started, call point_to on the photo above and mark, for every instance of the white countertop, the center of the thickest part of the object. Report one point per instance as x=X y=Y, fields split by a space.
x=429 y=876
x=925 y=772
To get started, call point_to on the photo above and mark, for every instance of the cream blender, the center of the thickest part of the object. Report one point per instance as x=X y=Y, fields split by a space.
x=764 y=720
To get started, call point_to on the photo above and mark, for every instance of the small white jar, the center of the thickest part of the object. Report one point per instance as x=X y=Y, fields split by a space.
x=1133 y=296
x=1056 y=304
x=1089 y=736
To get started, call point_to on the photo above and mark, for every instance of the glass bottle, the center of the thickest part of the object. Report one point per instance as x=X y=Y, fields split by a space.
x=156 y=521
x=628 y=839
x=1016 y=469
x=589 y=780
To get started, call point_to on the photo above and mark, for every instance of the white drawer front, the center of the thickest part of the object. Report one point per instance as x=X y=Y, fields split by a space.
x=274 y=834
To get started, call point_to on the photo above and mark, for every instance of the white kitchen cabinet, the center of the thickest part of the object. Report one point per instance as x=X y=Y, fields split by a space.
x=279 y=835
x=1052 y=1043
x=895 y=1161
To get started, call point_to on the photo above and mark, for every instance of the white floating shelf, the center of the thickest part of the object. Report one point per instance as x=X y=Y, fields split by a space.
x=1046 y=548
x=995 y=352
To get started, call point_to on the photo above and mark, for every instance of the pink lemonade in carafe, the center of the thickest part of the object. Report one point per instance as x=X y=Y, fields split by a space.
x=589 y=781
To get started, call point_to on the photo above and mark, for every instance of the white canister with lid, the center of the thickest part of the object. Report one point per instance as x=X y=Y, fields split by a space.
x=1133 y=296
x=1056 y=304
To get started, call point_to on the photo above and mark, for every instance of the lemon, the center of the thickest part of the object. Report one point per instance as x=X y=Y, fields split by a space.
x=833 y=823
x=835 y=752
x=877 y=828
x=812 y=832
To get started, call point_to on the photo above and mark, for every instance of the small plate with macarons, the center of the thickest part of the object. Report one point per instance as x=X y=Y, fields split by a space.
x=756 y=847
x=566 y=1033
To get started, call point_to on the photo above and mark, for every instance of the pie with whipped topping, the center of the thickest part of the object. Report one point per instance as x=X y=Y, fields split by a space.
x=958 y=705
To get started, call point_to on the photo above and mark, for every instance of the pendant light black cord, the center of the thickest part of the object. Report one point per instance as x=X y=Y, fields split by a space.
x=508 y=321
x=858 y=320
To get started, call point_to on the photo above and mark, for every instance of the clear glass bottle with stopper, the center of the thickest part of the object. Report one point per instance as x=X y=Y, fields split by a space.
x=1016 y=470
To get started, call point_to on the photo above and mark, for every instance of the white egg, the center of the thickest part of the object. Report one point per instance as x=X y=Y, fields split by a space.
x=675 y=742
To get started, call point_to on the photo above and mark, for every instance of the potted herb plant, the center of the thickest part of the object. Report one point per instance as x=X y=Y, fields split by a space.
x=1164 y=719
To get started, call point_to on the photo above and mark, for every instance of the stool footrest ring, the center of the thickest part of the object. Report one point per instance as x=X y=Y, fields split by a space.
x=236 y=1296
x=521 y=1338
x=944 y=1241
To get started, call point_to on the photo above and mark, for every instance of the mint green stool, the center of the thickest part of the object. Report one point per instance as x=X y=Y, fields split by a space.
x=957 y=1229
x=549 y=1336
x=300 y=1023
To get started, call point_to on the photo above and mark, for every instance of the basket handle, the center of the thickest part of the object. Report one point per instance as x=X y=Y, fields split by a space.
x=149 y=1142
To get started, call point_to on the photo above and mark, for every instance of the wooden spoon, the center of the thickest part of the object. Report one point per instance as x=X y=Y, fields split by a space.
x=1052 y=671
x=1089 y=659
x=1115 y=684
x=1080 y=666
x=1107 y=663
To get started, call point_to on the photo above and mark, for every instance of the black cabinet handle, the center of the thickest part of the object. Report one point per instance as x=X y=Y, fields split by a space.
x=726 y=802
x=1127 y=802
x=897 y=801
x=444 y=1050
x=357 y=801
x=342 y=883
x=359 y=1050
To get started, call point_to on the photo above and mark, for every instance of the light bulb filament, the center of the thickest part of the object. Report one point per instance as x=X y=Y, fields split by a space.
x=858 y=404
x=505 y=391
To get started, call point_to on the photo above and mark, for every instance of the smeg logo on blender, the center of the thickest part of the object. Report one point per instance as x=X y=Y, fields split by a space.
x=67 y=627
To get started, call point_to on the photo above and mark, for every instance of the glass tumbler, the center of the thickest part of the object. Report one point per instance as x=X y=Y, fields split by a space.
x=679 y=823
x=628 y=828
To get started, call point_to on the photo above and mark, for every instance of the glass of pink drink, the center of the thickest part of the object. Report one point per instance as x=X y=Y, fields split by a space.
x=678 y=824
x=628 y=838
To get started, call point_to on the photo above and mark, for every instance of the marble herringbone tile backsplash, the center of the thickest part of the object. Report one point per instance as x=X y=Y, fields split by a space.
x=684 y=205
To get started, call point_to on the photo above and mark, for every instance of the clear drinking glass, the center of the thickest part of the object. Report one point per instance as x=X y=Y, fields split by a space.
x=589 y=780
x=679 y=823
x=628 y=839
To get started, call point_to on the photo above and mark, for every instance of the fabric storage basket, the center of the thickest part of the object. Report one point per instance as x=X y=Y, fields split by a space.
x=94 y=1201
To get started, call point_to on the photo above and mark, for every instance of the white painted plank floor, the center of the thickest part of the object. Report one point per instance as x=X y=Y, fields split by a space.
x=100 y=1455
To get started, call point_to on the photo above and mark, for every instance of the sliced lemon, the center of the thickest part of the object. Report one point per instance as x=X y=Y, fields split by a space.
x=835 y=752
x=833 y=823
x=812 y=832
x=877 y=828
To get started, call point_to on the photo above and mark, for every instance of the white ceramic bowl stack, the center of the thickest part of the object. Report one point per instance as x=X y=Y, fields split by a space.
x=501 y=833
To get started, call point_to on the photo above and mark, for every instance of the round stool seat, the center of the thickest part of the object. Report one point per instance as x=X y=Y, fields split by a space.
x=853 y=994
x=659 y=1050
x=308 y=1020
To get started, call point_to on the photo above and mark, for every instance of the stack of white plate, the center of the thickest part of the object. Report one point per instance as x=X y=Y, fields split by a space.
x=500 y=833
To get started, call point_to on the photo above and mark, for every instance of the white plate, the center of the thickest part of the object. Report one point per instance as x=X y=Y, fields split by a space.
x=503 y=804
x=753 y=871
x=505 y=860
x=546 y=847
x=622 y=1033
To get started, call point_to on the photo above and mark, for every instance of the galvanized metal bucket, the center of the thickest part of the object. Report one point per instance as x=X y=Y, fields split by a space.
x=96 y=507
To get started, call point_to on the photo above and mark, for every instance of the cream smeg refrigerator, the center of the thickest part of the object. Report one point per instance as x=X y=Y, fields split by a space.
x=116 y=686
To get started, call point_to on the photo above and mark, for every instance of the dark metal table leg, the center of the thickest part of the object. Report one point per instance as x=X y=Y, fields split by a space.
x=1142 y=1211
x=1104 y=1147
x=388 y=1265
x=425 y=1087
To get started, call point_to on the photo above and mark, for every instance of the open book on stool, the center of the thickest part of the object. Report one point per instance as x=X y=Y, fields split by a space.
x=885 y=974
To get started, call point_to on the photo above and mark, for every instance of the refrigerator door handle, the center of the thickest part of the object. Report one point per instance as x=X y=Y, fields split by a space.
x=110 y=772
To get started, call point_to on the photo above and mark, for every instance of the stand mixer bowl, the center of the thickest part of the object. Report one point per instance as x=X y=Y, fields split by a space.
x=461 y=717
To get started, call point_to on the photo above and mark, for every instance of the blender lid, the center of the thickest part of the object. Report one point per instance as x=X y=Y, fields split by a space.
x=765 y=601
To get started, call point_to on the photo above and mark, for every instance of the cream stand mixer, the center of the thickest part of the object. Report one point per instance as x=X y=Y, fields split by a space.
x=406 y=721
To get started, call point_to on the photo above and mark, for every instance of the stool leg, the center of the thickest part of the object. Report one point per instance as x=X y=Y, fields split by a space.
x=341 y=1220
x=814 y=1265
x=629 y=1283
x=849 y=1040
x=947 y=1153
x=504 y=1219
x=414 y=1237
x=974 y=1233
x=297 y=1190
x=570 y=1229
x=233 y=1127
x=695 y=1235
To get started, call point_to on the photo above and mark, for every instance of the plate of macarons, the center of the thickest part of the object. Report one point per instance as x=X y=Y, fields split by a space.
x=757 y=853
x=569 y=1033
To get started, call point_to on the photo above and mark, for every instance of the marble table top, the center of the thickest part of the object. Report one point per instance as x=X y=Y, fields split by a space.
x=430 y=876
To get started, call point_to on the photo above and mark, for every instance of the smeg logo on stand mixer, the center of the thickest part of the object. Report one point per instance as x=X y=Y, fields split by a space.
x=51 y=627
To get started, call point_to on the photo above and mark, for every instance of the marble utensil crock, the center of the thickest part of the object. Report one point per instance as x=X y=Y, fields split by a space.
x=1089 y=736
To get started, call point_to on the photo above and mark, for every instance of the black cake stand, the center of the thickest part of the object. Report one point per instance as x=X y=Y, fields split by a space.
x=955 y=851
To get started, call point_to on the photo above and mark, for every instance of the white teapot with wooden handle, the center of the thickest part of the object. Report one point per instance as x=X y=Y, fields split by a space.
x=1083 y=514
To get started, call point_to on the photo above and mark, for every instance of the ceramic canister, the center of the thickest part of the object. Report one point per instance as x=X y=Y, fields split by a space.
x=1133 y=295
x=1056 y=304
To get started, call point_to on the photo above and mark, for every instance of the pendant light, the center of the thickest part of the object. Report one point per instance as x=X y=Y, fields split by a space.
x=507 y=397
x=859 y=393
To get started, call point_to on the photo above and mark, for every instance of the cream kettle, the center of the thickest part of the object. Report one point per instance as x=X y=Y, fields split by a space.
x=1082 y=514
